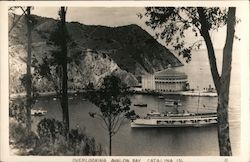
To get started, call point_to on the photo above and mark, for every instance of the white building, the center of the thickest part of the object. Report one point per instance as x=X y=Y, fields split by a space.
x=168 y=80
x=148 y=82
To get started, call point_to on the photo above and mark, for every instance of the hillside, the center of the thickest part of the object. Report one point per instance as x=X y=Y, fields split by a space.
x=132 y=48
x=98 y=51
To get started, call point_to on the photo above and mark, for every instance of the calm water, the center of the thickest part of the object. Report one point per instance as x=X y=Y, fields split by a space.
x=162 y=141
x=148 y=141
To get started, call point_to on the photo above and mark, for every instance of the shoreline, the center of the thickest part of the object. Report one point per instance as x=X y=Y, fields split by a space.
x=43 y=94
x=71 y=92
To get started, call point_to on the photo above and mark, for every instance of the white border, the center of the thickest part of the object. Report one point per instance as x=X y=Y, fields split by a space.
x=128 y=3
x=244 y=55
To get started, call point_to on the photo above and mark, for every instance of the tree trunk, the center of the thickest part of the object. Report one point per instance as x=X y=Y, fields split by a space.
x=64 y=102
x=28 y=73
x=221 y=83
x=210 y=49
x=222 y=109
x=110 y=132
x=110 y=143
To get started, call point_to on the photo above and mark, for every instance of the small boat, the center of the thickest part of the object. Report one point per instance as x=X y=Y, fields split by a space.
x=156 y=119
x=153 y=113
x=141 y=104
x=38 y=112
x=161 y=97
x=171 y=102
x=134 y=117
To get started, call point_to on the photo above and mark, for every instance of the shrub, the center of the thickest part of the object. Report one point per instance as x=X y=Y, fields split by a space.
x=51 y=139
x=21 y=138
x=54 y=141
x=17 y=110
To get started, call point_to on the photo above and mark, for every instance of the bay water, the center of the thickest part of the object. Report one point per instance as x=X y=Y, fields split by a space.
x=129 y=141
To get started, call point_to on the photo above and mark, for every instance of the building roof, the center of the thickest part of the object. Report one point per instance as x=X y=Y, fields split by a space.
x=170 y=73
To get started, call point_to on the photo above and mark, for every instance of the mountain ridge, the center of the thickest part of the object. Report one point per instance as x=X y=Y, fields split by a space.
x=126 y=51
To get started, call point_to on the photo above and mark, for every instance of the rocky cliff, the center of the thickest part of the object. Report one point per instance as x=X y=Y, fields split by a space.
x=98 y=51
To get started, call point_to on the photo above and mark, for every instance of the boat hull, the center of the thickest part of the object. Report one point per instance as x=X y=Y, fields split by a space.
x=135 y=125
x=175 y=121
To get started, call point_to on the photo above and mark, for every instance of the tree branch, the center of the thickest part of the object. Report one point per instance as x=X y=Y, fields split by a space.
x=115 y=122
x=15 y=23
x=104 y=119
x=119 y=125
x=196 y=42
x=101 y=119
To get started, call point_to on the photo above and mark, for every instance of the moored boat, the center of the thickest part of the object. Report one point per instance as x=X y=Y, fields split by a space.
x=161 y=97
x=156 y=119
x=38 y=112
x=170 y=102
x=140 y=104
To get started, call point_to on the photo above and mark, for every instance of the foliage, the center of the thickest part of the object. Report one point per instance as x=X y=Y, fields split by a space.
x=54 y=66
x=50 y=140
x=24 y=80
x=173 y=24
x=17 y=111
x=51 y=65
x=58 y=35
x=53 y=142
x=113 y=103
x=17 y=108
x=20 y=137
x=48 y=129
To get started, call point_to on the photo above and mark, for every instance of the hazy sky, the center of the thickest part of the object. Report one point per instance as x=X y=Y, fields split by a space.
x=114 y=16
x=107 y=16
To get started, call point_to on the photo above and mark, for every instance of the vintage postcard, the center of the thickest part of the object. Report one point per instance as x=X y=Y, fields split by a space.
x=125 y=81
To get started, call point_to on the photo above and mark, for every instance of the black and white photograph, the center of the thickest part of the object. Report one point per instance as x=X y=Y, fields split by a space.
x=122 y=80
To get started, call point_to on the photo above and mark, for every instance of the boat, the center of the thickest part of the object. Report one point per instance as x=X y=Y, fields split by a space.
x=38 y=112
x=171 y=102
x=199 y=93
x=156 y=119
x=141 y=104
x=161 y=97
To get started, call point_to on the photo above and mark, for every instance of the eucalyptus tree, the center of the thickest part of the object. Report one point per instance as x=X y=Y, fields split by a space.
x=27 y=78
x=63 y=45
x=54 y=66
x=173 y=24
x=28 y=74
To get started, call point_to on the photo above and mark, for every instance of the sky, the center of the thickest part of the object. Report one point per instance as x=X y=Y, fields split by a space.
x=107 y=16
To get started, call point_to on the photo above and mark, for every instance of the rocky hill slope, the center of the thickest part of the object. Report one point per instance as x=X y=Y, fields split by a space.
x=98 y=51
